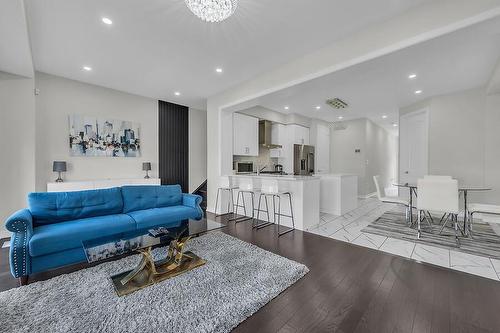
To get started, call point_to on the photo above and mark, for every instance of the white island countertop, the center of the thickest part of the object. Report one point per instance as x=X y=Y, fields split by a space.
x=303 y=190
x=275 y=176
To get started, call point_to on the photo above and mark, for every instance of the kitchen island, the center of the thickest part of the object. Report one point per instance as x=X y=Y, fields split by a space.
x=305 y=192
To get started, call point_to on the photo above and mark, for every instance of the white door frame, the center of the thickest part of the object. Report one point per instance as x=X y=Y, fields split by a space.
x=425 y=111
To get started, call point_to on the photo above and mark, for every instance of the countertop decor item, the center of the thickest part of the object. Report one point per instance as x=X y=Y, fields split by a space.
x=146 y=166
x=212 y=10
x=59 y=166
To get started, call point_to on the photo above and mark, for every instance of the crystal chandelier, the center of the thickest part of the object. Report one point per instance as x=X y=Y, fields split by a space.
x=212 y=10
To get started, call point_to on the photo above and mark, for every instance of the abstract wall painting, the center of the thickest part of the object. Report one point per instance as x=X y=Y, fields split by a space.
x=97 y=136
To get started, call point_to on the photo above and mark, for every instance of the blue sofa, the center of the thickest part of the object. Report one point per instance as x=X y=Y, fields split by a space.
x=49 y=233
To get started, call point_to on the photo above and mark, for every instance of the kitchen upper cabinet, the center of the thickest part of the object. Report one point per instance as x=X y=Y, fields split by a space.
x=299 y=134
x=245 y=135
x=295 y=134
x=279 y=137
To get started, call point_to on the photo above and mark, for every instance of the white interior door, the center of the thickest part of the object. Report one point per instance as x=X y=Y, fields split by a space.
x=413 y=146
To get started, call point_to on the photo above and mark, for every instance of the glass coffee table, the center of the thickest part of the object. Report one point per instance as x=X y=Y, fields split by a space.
x=149 y=271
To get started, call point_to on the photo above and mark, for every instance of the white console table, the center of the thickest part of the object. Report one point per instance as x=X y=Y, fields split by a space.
x=99 y=184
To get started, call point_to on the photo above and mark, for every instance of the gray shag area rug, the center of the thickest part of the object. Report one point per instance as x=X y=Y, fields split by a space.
x=238 y=279
x=486 y=241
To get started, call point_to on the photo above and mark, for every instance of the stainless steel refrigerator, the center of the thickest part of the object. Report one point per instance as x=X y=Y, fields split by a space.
x=303 y=160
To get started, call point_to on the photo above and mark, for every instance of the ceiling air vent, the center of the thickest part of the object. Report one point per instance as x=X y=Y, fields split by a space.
x=337 y=103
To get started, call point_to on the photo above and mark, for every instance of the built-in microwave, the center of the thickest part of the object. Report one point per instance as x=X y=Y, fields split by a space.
x=244 y=167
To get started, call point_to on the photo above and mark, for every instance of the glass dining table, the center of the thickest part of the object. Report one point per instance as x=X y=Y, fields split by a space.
x=461 y=188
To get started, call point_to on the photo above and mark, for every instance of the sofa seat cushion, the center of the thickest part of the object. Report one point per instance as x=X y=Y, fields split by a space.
x=62 y=236
x=141 y=197
x=53 y=207
x=162 y=216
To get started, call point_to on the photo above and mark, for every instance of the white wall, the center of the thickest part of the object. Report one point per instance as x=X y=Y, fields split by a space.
x=197 y=148
x=61 y=97
x=345 y=140
x=17 y=125
x=381 y=157
x=464 y=139
x=377 y=156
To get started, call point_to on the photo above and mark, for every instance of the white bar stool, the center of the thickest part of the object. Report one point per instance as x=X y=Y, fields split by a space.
x=225 y=185
x=270 y=188
x=245 y=186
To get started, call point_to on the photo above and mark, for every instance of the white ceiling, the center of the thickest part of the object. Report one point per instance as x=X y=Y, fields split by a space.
x=15 y=53
x=462 y=60
x=157 y=47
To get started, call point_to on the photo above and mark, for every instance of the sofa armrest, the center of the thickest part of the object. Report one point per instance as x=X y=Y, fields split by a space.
x=193 y=200
x=21 y=225
x=20 y=221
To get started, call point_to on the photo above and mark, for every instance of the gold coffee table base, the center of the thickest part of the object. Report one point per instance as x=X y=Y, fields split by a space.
x=146 y=276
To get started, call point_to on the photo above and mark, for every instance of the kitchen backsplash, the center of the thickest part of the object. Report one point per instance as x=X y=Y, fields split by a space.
x=264 y=159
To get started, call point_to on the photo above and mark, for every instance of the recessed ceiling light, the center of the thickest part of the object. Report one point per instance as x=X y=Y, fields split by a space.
x=418 y=92
x=384 y=117
x=107 y=21
x=177 y=93
x=286 y=107
x=218 y=70
x=318 y=107
x=87 y=68
x=340 y=117
x=412 y=76
x=395 y=125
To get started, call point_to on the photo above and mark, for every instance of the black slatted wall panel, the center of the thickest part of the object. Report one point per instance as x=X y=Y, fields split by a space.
x=173 y=144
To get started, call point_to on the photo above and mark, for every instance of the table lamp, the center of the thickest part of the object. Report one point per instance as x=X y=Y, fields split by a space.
x=59 y=166
x=146 y=166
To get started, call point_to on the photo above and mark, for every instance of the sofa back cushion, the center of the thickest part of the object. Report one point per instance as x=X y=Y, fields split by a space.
x=53 y=207
x=149 y=196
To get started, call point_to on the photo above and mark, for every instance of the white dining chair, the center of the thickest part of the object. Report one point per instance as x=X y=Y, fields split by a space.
x=484 y=209
x=393 y=200
x=441 y=196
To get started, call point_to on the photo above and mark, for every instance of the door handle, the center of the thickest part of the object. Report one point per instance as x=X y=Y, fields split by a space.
x=406 y=172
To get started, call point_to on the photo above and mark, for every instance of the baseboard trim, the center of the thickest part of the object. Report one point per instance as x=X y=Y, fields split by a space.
x=369 y=195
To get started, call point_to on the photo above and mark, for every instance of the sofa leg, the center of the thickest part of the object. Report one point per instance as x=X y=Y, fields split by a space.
x=23 y=280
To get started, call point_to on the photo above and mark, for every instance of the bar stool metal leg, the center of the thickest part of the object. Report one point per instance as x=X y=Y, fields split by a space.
x=290 y=216
x=237 y=206
x=258 y=211
x=217 y=202
x=229 y=202
x=291 y=210
x=263 y=224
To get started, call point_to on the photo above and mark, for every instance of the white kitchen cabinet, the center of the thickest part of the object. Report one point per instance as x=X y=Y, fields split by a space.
x=279 y=137
x=245 y=135
x=299 y=134
x=295 y=134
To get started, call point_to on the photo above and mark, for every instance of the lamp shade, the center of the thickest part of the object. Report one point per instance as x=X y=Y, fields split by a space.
x=146 y=166
x=59 y=166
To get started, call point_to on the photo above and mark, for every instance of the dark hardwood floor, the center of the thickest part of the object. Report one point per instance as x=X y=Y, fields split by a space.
x=355 y=289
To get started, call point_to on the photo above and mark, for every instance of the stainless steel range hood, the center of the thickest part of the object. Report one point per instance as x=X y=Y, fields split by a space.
x=265 y=137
